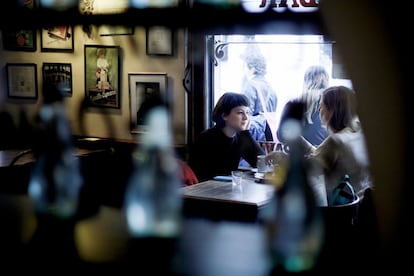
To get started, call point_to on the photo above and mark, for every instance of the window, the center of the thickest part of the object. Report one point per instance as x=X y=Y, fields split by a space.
x=287 y=58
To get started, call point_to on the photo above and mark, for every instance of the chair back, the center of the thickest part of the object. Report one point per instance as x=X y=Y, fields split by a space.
x=341 y=215
x=340 y=234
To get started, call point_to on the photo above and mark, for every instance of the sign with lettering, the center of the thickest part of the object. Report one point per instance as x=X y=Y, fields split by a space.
x=257 y=6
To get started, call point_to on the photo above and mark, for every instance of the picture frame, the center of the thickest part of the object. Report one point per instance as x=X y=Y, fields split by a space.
x=19 y=40
x=102 y=70
x=59 y=76
x=145 y=89
x=159 y=41
x=22 y=80
x=57 y=39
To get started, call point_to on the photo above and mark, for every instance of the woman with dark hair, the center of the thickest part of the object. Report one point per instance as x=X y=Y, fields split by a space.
x=217 y=150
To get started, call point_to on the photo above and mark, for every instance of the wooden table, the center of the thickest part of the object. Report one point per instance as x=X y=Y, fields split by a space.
x=7 y=156
x=27 y=156
x=219 y=200
x=16 y=166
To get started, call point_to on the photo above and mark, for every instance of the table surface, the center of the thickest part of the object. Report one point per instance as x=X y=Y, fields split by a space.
x=6 y=156
x=250 y=192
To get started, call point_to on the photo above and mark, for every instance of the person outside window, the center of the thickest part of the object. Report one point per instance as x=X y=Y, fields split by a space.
x=315 y=80
x=258 y=90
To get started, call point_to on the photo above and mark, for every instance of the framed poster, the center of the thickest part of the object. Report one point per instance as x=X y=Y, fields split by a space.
x=102 y=85
x=22 y=80
x=145 y=91
x=57 y=39
x=159 y=41
x=19 y=40
x=59 y=76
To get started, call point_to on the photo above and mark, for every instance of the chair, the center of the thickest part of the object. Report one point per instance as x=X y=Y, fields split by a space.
x=341 y=232
x=341 y=215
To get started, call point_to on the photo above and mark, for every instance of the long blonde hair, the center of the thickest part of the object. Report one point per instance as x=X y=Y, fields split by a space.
x=315 y=80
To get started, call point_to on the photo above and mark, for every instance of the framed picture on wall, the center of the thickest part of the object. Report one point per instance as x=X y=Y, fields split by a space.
x=57 y=39
x=59 y=76
x=22 y=80
x=145 y=91
x=159 y=41
x=102 y=84
x=19 y=40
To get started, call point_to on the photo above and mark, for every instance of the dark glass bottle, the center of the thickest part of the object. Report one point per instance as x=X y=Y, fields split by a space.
x=56 y=179
x=297 y=233
x=153 y=200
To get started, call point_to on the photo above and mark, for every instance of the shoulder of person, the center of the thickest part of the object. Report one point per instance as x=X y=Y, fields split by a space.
x=329 y=145
x=244 y=133
x=206 y=133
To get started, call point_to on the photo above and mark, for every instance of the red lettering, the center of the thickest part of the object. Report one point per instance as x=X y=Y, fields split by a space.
x=295 y=4
x=309 y=3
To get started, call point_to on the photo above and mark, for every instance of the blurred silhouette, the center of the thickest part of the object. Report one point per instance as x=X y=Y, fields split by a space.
x=297 y=229
x=9 y=134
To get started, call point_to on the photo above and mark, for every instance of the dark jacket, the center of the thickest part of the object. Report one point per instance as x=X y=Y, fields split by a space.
x=213 y=153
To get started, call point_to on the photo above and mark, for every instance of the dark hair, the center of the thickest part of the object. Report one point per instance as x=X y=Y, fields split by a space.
x=294 y=109
x=225 y=104
x=341 y=101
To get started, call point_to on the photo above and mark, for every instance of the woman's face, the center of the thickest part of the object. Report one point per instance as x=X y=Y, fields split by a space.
x=324 y=114
x=238 y=118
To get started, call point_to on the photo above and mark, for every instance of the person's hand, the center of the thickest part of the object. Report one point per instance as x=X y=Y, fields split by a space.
x=280 y=162
x=249 y=122
x=277 y=158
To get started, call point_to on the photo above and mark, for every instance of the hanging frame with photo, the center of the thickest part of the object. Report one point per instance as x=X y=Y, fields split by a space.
x=19 y=40
x=59 y=76
x=102 y=84
x=22 y=80
x=145 y=91
x=57 y=39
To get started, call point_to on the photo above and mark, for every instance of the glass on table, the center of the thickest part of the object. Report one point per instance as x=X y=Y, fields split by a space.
x=236 y=177
x=237 y=180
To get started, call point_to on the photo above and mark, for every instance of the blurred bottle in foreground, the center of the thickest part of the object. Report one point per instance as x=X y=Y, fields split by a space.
x=56 y=179
x=297 y=231
x=153 y=199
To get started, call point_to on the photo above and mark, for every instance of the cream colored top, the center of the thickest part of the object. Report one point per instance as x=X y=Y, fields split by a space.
x=342 y=153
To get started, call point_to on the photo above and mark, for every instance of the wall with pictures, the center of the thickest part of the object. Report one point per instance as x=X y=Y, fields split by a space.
x=108 y=115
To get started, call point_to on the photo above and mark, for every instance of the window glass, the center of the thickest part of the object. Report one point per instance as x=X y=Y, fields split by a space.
x=287 y=57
